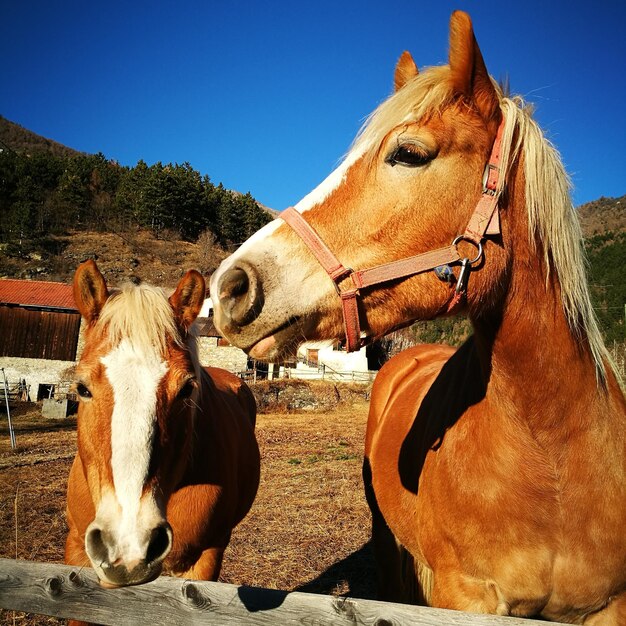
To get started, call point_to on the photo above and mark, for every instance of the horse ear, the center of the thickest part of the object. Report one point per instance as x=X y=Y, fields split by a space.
x=90 y=290
x=188 y=298
x=405 y=70
x=469 y=73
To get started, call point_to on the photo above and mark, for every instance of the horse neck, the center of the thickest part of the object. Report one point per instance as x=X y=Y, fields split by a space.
x=537 y=369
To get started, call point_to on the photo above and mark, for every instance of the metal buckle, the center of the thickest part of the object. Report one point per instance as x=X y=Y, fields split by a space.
x=347 y=273
x=486 y=175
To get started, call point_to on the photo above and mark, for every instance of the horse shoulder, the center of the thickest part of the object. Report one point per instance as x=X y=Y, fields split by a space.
x=226 y=427
x=409 y=415
x=402 y=382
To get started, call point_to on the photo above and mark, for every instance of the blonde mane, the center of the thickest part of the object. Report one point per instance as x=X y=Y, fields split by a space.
x=552 y=219
x=553 y=222
x=142 y=315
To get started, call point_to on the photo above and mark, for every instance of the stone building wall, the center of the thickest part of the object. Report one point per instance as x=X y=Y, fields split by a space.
x=36 y=372
x=228 y=357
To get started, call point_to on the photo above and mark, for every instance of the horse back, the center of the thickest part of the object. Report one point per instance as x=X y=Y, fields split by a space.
x=234 y=391
x=225 y=446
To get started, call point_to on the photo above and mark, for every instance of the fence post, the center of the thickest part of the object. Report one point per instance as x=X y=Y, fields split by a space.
x=6 y=399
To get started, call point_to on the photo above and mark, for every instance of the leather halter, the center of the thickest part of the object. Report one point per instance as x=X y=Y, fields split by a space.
x=484 y=221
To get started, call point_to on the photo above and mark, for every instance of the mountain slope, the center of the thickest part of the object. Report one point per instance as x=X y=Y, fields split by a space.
x=23 y=141
x=602 y=215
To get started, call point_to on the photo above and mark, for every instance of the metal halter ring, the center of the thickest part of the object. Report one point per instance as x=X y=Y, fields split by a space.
x=478 y=245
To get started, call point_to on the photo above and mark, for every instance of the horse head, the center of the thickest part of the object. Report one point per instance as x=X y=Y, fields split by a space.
x=137 y=381
x=408 y=185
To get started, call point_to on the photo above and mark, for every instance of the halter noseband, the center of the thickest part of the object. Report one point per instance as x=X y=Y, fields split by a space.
x=484 y=221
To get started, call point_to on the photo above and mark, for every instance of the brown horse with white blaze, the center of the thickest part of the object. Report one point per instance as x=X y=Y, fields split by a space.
x=496 y=473
x=167 y=461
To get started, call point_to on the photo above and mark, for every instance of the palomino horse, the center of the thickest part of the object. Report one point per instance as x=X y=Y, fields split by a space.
x=167 y=461
x=496 y=473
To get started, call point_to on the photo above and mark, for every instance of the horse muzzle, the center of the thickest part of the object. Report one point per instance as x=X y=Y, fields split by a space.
x=267 y=305
x=116 y=565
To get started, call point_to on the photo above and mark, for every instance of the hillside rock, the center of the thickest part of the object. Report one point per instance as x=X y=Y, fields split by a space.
x=603 y=215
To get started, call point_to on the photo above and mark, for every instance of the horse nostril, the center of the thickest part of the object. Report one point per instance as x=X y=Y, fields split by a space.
x=160 y=543
x=95 y=545
x=235 y=283
x=240 y=295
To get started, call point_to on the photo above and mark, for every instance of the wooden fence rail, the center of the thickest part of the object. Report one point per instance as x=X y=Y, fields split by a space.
x=72 y=592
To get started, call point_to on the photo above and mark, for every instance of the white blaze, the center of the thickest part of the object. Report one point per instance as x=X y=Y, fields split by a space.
x=317 y=196
x=134 y=375
x=327 y=186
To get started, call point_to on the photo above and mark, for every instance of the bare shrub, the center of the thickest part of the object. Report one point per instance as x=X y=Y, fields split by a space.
x=208 y=252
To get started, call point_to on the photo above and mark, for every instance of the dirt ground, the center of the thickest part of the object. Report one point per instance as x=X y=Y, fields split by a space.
x=308 y=529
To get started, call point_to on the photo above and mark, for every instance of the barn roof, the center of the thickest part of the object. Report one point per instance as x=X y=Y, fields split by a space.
x=36 y=293
x=206 y=327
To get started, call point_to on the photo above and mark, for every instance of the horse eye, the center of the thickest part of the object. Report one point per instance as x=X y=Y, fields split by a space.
x=187 y=389
x=83 y=391
x=410 y=155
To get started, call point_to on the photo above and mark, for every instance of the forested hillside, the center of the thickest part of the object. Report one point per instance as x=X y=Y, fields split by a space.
x=49 y=190
x=44 y=194
x=604 y=224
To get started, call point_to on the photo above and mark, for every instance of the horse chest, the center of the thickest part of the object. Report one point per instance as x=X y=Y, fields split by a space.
x=502 y=512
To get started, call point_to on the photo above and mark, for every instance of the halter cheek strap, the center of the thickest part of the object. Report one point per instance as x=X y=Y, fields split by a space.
x=484 y=221
x=335 y=269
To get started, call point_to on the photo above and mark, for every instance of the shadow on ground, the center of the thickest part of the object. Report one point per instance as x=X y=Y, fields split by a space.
x=354 y=576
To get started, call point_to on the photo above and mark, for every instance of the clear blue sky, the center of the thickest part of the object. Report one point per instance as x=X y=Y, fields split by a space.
x=266 y=96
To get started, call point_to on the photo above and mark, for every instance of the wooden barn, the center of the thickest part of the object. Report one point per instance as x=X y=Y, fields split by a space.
x=38 y=320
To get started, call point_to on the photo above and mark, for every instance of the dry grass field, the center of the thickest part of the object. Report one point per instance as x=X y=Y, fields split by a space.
x=308 y=529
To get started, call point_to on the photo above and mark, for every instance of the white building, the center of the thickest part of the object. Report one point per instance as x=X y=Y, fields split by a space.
x=315 y=361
